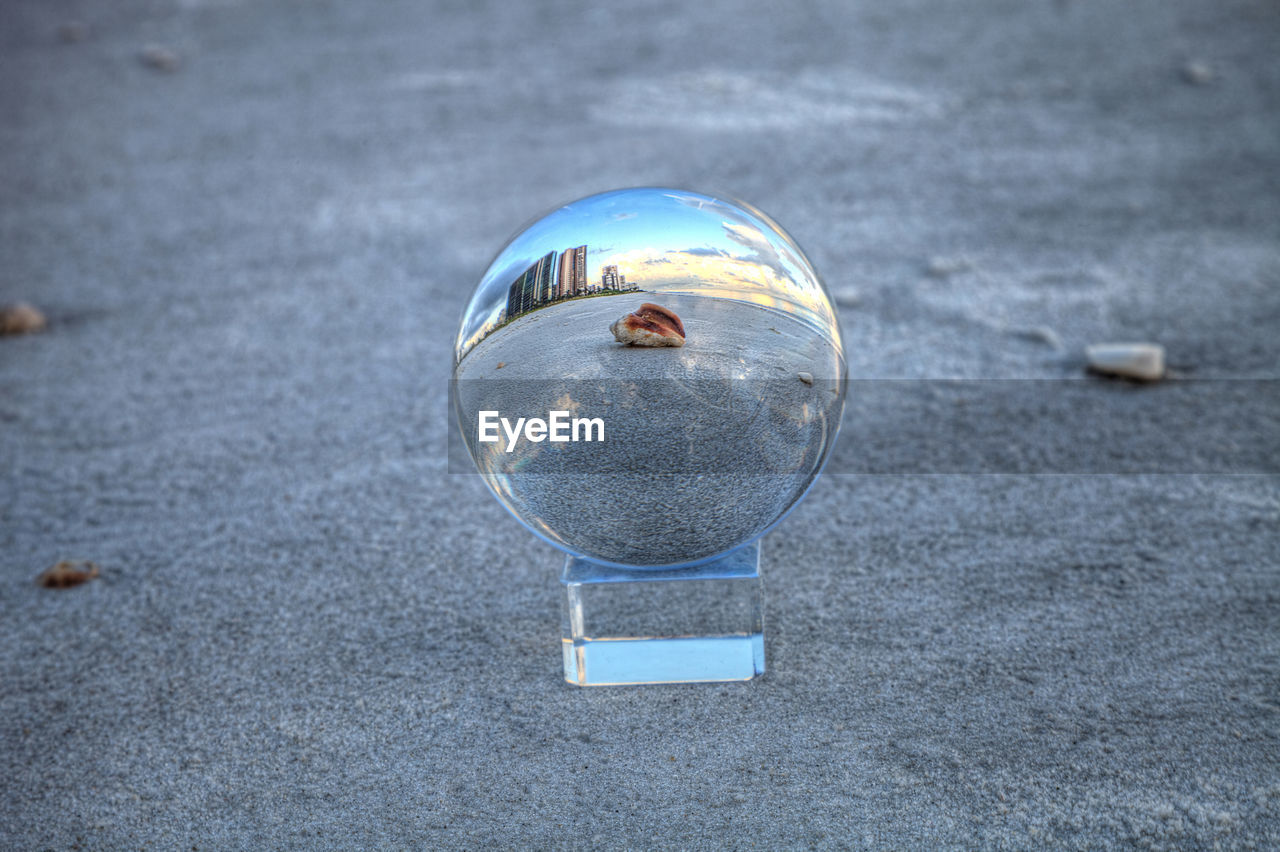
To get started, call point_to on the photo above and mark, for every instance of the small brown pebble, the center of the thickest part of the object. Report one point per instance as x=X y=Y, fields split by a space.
x=68 y=573
x=159 y=58
x=20 y=318
x=72 y=32
x=807 y=378
x=501 y=364
x=651 y=325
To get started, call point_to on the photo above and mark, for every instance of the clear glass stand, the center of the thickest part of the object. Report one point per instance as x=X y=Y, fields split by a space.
x=687 y=625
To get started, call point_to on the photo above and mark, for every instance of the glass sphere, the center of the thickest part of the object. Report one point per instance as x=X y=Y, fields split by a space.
x=641 y=455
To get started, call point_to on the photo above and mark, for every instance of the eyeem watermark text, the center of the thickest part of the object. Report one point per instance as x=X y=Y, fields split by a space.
x=557 y=428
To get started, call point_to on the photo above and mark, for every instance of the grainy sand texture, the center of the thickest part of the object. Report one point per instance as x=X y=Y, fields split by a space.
x=252 y=228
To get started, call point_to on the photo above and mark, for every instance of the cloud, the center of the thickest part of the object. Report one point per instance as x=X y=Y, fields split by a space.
x=762 y=251
x=655 y=269
x=763 y=273
x=770 y=254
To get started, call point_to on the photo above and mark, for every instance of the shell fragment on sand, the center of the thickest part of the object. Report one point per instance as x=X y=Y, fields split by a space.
x=651 y=325
x=68 y=573
x=1143 y=361
x=20 y=318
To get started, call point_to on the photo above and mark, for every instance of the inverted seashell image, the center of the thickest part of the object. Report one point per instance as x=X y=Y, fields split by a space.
x=651 y=325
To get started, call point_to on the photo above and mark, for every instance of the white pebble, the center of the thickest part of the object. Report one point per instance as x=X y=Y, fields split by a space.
x=846 y=295
x=1143 y=361
x=942 y=267
x=807 y=378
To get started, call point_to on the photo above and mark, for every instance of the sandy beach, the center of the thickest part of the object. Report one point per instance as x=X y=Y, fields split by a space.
x=253 y=229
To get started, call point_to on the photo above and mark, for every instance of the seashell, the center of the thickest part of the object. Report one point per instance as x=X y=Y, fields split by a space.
x=1143 y=361
x=20 y=318
x=651 y=325
x=68 y=573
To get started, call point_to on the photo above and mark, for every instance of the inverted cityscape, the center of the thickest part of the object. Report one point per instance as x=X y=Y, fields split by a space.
x=546 y=281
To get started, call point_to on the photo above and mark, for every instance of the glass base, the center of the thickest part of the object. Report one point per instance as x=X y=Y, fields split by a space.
x=688 y=625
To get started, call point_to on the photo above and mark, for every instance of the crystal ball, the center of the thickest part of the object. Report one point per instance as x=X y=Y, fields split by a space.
x=649 y=377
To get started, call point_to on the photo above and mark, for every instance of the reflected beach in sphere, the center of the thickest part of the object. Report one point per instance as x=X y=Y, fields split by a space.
x=703 y=446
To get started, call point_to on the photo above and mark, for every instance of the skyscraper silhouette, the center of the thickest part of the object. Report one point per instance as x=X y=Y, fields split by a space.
x=533 y=287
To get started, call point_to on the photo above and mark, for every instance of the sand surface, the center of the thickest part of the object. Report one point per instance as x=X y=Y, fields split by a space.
x=307 y=634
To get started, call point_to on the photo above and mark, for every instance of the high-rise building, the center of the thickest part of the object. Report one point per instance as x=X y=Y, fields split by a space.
x=573 y=273
x=515 y=297
x=545 y=277
x=532 y=288
x=609 y=278
x=564 y=277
